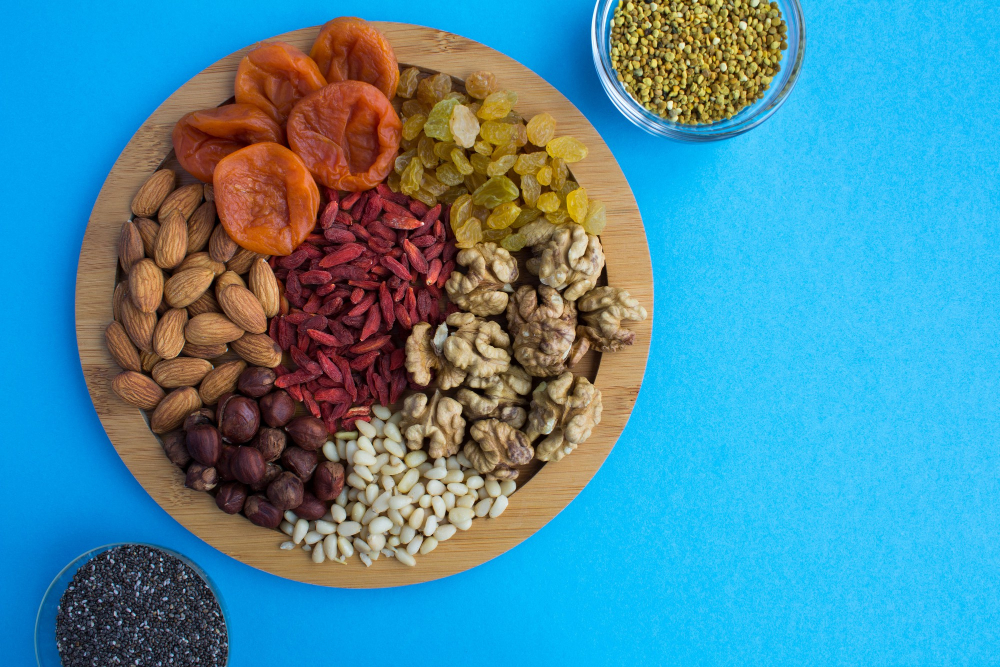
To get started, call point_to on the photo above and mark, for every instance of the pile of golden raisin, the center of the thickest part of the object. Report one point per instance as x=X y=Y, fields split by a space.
x=472 y=150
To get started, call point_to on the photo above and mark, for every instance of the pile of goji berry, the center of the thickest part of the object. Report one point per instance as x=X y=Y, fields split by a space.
x=375 y=265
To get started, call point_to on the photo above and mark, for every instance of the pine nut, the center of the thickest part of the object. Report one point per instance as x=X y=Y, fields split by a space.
x=458 y=488
x=345 y=546
x=381 y=412
x=475 y=482
x=464 y=525
x=445 y=532
x=449 y=499
x=407 y=534
x=330 y=451
x=330 y=546
x=301 y=528
x=437 y=502
x=287 y=546
x=499 y=505
x=435 y=487
x=493 y=488
x=364 y=458
x=365 y=429
x=416 y=519
x=393 y=446
x=508 y=487
x=466 y=501
x=325 y=527
x=453 y=476
x=415 y=458
x=365 y=443
x=392 y=433
x=318 y=556
x=460 y=514
x=405 y=558
x=409 y=479
x=413 y=546
x=349 y=528
x=287 y=528
x=431 y=525
x=346 y=435
x=357 y=512
x=381 y=524
x=429 y=545
x=436 y=473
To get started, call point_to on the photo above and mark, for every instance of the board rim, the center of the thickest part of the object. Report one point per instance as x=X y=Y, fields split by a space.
x=534 y=504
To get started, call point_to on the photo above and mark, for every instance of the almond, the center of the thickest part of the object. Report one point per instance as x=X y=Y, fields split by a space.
x=137 y=389
x=242 y=261
x=121 y=348
x=153 y=192
x=209 y=192
x=184 y=287
x=206 y=303
x=184 y=200
x=180 y=372
x=201 y=260
x=220 y=381
x=243 y=308
x=210 y=328
x=130 y=249
x=148 y=229
x=220 y=246
x=121 y=294
x=204 y=351
x=138 y=325
x=145 y=285
x=170 y=246
x=148 y=360
x=174 y=409
x=200 y=226
x=225 y=280
x=265 y=287
x=258 y=350
x=168 y=336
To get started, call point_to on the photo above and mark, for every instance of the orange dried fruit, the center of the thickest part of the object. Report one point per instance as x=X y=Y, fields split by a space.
x=350 y=49
x=274 y=76
x=202 y=138
x=266 y=198
x=347 y=134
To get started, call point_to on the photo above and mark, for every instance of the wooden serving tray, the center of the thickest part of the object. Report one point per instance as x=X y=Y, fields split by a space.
x=536 y=502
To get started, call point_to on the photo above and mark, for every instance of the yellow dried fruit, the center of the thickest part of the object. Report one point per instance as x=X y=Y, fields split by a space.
x=464 y=126
x=576 y=204
x=566 y=148
x=541 y=129
x=500 y=166
x=513 y=242
x=595 y=219
x=544 y=175
x=548 y=202
x=503 y=216
x=497 y=105
x=469 y=233
x=413 y=126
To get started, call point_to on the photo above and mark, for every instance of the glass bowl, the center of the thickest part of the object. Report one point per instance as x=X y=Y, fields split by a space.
x=747 y=119
x=45 y=624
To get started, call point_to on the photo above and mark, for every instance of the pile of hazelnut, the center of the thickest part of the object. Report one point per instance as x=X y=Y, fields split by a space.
x=241 y=451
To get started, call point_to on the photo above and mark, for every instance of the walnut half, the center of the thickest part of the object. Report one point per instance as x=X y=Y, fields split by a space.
x=483 y=289
x=464 y=346
x=500 y=396
x=496 y=448
x=437 y=419
x=603 y=309
x=566 y=410
x=543 y=326
x=569 y=259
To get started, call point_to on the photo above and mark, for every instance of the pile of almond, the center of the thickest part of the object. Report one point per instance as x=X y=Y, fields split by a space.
x=187 y=295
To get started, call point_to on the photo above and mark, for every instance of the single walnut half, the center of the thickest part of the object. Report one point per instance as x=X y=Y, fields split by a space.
x=437 y=420
x=570 y=260
x=603 y=309
x=464 y=346
x=496 y=448
x=543 y=326
x=566 y=410
x=500 y=396
x=484 y=289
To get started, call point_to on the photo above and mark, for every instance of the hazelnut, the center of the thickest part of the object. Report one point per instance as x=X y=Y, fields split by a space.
x=256 y=381
x=201 y=477
x=261 y=512
x=231 y=497
x=270 y=442
x=175 y=447
x=307 y=432
x=311 y=507
x=200 y=416
x=225 y=463
x=277 y=408
x=285 y=491
x=239 y=418
x=299 y=461
x=247 y=465
x=204 y=444
x=328 y=480
x=270 y=472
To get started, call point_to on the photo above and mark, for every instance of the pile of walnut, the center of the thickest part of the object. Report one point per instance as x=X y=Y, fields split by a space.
x=188 y=295
x=491 y=369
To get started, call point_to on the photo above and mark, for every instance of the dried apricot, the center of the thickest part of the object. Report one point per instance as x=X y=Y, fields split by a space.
x=266 y=198
x=350 y=49
x=202 y=138
x=274 y=76
x=347 y=133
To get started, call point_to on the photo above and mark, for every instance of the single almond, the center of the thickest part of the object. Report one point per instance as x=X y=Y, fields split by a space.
x=200 y=226
x=208 y=192
x=225 y=280
x=180 y=372
x=154 y=191
x=220 y=246
x=184 y=200
x=201 y=260
x=242 y=261
x=174 y=409
x=258 y=350
x=148 y=360
x=204 y=351
x=148 y=229
x=265 y=287
x=206 y=303
x=130 y=249
x=145 y=285
x=170 y=246
x=138 y=325
x=168 y=336
x=184 y=287
x=121 y=294
x=221 y=380
x=243 y=309
x=121 y=348
x=211 y=328
x=137 y=389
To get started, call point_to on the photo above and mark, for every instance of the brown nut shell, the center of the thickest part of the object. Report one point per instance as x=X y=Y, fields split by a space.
x=200 y=477
x=247 y=465
x=308 y=432
x=239 y=418
x=231 y=497
x=286 y=491
x=204 y=444
x=328 y=480
x=270 y=442
x=299 y=461
x=311 y=508
x=256 y=381
x=261 y=512
x=277 y=408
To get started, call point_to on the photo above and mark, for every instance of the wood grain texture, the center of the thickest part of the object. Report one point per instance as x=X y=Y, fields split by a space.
x=535 y=503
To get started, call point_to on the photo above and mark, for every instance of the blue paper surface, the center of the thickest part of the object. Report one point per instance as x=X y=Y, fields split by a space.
x=810 y=473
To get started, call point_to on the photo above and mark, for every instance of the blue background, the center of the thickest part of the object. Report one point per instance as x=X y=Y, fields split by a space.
x=810 y=473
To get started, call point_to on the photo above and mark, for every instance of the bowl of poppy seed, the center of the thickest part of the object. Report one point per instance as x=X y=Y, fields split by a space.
x=698 y=70
x=131 y=604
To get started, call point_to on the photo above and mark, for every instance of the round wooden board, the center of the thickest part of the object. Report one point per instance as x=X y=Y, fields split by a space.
x=535 y=503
